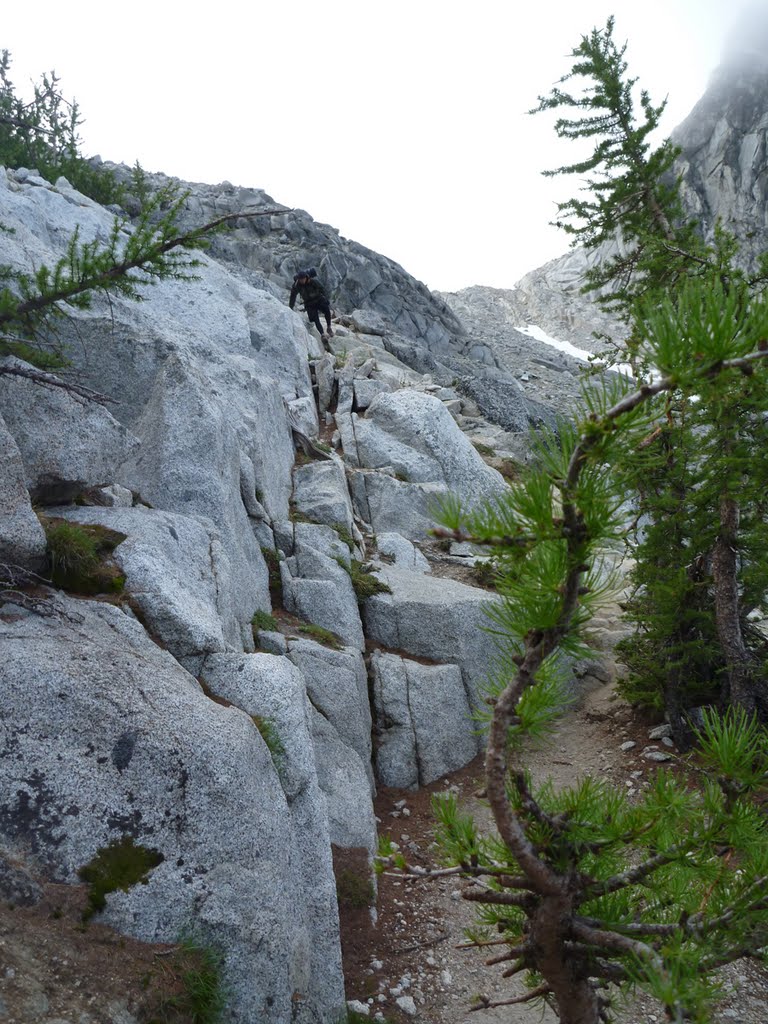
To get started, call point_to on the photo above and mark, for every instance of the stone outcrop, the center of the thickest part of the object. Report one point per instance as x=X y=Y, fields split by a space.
x=439 y=619
x=423 y=719
x=250 y=472
x=106 y=737
x=175 y=576
x=66 y=442
x=22 y=541
x=724 y=143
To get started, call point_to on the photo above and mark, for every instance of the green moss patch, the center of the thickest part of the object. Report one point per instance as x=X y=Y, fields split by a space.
x=263 y=620
x=120 y=865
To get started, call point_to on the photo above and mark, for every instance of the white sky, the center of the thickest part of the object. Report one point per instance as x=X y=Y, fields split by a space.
x=402 y=124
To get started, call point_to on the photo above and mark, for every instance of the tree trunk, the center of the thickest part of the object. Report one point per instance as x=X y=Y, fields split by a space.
x=576 y=997
x=738 y=659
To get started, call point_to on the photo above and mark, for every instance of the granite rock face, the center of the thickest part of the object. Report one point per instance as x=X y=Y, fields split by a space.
x=416 y=435
x=423 y=718
x=724 y=143
x=66 y=443
x=438 y=619
x=176 y=575
x=22 y=541
x=107 y=738
x=337 y=687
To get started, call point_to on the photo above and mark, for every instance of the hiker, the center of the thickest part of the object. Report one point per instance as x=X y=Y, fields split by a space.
x=315 y=300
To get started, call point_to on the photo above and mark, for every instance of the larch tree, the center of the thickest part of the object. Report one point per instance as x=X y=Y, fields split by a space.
x=584 y=892
x=701 y=567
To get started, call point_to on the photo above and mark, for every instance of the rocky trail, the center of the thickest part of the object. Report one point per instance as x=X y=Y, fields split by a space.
x=411 y=964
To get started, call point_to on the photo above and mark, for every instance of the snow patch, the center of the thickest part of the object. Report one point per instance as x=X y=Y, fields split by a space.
x=564 y=346
x=532 y=331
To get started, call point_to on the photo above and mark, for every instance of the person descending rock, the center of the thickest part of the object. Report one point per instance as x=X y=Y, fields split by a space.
x=312 y=293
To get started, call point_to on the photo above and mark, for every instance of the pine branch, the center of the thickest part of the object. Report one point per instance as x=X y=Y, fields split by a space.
x=636 y=874
x=91 y=270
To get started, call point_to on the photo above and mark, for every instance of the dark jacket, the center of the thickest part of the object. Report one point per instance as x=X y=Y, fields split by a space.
x=312 y=294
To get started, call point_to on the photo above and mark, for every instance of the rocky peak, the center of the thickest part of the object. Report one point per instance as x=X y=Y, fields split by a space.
x=723 y=141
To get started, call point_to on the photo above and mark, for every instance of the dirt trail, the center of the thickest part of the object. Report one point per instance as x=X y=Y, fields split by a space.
x=413 y=949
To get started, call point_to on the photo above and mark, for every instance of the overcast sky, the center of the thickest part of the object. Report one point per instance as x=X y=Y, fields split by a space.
x=402 y=124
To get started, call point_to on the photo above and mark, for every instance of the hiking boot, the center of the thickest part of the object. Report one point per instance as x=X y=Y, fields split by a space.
x=330 y=333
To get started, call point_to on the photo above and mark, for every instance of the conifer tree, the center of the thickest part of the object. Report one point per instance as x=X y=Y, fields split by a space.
x=41 y=134
x=700 y=488
x=583 y=892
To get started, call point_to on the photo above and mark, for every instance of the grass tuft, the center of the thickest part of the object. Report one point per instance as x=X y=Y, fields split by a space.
x=78 y=556
x=321 y=635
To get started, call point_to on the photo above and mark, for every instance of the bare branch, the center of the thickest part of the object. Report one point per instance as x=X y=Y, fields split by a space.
x=513 y=953
x=15 y=577
x=630 y=927
x=615 y=942
x=50 y=381
x=506 y=899
x=534 y=993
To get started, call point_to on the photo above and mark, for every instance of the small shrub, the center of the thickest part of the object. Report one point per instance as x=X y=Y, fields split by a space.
x=344 y=535
x=263 y=620
x=271 y=737
x=323 y=636
x=118 y=866
x=364 y=583
x=388 y=855
x=272 y=559
x=486 y=573
x=354 y=890
x=72 y=551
